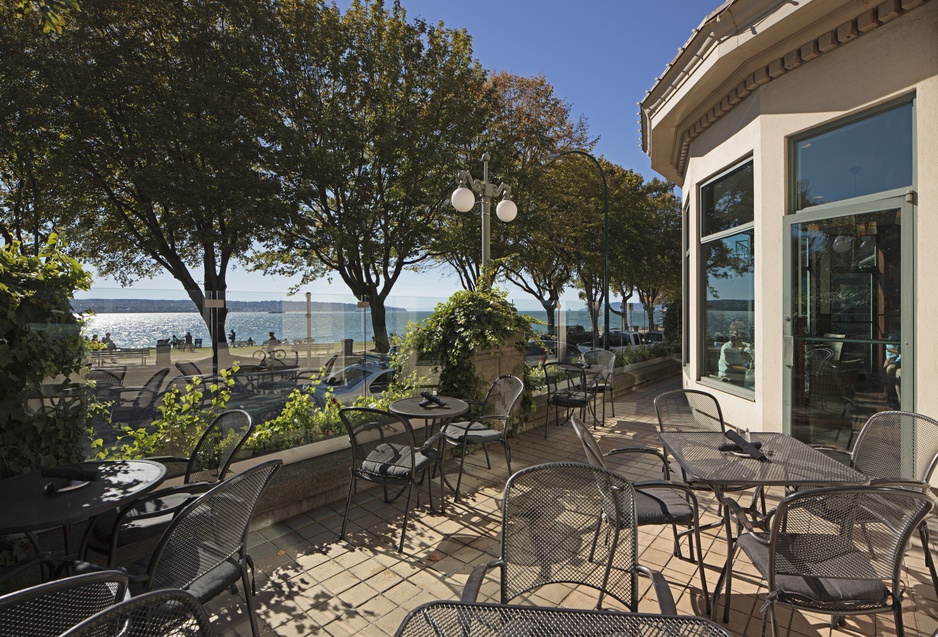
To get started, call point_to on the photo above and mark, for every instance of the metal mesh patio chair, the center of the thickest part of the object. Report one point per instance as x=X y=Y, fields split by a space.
x=553 y=517
x=204 y=549
x=603 y=384
x=138 y=404
x=566 y=390
x=898 y=447
x=385 y=452
x=489 y=425
x=148 y=517
x=169 y=613
x=657 y=502
x=49 y=609
x=691 y=410
x=188 y=368
x=439 y=619
x=844 y=564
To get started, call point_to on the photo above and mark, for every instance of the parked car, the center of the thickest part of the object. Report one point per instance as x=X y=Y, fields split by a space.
x=369 y=378
x=654 y=337
x=619 y=338
x=536 y=352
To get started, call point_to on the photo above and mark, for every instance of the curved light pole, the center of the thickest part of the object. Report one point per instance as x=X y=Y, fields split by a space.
x=464 y=198
x=602 y=173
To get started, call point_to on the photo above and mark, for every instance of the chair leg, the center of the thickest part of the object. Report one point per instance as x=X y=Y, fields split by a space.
x=348 y=504
x=400 y=547
x=462 y=460
x=488 y=462
x=929 y=560
x=700 y=567
x=507 y=455
x=249 y=601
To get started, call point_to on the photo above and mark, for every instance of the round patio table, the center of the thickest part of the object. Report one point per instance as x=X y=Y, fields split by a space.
x=85 y=490
x=432 y=413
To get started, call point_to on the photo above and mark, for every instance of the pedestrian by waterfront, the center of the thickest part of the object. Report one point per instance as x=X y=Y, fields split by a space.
x=231 y=337
x=107 y=342
x=189 y=345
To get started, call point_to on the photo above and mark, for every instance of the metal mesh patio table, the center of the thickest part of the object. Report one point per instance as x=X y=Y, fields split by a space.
x=459 y=619
x=791 y=463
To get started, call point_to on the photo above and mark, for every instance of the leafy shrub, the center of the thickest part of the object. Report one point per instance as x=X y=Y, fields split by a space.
x=640 y=353
x=40 y=338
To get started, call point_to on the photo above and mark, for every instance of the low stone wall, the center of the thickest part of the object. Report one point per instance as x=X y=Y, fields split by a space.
x=318 y=474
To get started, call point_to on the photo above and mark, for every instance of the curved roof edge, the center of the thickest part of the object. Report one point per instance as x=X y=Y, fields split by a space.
x=737 y=48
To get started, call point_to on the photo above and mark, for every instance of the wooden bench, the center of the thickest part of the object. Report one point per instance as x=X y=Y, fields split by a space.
x=102 y=356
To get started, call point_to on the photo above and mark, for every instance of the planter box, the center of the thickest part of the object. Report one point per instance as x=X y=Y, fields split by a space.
x=318 y=474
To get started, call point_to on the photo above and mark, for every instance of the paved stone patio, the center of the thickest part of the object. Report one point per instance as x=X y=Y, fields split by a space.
x=310 y=583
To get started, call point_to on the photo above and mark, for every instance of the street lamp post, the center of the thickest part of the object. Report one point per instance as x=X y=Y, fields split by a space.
x=602 y=172
x=464 y=198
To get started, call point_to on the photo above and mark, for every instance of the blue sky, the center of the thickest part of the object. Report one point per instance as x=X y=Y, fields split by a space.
x=600 y=55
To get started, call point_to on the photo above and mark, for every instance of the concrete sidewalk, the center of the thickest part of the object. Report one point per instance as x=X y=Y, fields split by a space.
x=310 y=583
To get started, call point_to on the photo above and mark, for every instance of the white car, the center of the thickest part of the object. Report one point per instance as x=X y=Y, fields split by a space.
x=348 y=383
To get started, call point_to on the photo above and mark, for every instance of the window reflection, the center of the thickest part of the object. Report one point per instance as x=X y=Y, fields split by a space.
x=730 y=312
x=870 y=155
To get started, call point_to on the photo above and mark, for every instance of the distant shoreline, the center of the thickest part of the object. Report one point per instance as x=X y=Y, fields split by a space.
x=185 y=306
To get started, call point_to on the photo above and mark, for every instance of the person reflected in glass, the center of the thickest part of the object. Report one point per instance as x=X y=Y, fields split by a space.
x=737 y=364
x=892 y=369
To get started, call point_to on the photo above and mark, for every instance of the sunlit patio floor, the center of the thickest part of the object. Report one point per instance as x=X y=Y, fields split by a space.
x=311 y=583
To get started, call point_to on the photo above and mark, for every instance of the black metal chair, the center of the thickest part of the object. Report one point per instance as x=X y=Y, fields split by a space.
x=657 y=502
x=49 y=609
x=188 y=368
x=138 y=404
x=552 y=518
x=205 y=548
x=489 y=425
x=848 y=563
x=169 y=613
x=567 y=389
x=439 y=619
x=602 y=385
x=691 y=410
x=148 y=517
x=896 y=447
x=385 y=452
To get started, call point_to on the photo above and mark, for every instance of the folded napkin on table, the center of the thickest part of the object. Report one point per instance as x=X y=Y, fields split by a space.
x=732 y=446
x=745 y=446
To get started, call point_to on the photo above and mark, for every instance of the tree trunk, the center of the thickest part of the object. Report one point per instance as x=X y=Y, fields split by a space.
x=550 y=306
x=379 y=325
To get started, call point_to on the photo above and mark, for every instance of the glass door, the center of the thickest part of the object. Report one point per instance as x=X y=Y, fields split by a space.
x=849 y=332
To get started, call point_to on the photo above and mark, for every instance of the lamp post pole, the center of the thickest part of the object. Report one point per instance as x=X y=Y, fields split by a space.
x=602 y=173
x=464 y=198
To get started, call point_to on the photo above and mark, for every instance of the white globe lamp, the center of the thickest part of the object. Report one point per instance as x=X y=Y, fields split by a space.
x=463 y=199
x=506 y=210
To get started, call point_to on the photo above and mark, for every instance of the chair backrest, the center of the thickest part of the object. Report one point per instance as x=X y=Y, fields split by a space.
x=151 y=389
x=502 y=397
x=484 y=620
x=603 y=357
x=858 y=533
x=103 y=377
x=688 y=410
x=901 y=445
x=563 y=376
x=379 y=439
x=188 y=368
x=167 y=613
x=551 y=517
x=594 y=455
x=219 y=445
x=52 y=608
x=210 y=531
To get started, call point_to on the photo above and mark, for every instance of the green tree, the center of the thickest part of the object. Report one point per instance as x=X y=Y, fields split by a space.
x=52 y=13
x=373 y=125
x=40 y=338
x=657 y=273
x=160 y=128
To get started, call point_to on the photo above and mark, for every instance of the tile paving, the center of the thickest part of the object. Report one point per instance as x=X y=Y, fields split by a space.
x=311 y=583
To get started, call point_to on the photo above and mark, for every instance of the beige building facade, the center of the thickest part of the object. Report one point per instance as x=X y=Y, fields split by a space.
x=804 y=138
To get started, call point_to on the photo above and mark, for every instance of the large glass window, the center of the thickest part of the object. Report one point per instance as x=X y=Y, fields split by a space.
x=869 y=155
x=728 y=277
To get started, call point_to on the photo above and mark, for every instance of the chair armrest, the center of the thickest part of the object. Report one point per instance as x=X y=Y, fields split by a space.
x=471 y=590
x=665 y=470
x=662 y=590
x=840 y=455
